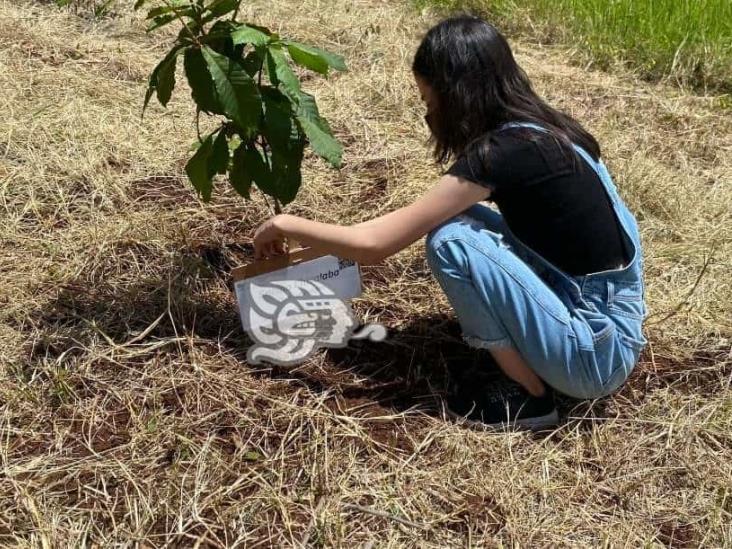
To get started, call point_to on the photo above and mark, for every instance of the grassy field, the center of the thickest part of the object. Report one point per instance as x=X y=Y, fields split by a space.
x=128 y=413
x=689 y=41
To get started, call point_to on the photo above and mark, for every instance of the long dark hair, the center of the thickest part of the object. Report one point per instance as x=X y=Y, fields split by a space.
x=479 y=86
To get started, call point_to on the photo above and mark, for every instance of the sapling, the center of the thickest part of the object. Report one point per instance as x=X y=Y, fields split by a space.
x=241 y=73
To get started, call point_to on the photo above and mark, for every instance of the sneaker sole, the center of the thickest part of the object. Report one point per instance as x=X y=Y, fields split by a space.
x=537 y=423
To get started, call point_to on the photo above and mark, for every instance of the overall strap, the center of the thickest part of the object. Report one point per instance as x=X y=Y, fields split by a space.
x=522 y=125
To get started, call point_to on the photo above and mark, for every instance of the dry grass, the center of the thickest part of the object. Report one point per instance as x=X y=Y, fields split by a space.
x=128 y=414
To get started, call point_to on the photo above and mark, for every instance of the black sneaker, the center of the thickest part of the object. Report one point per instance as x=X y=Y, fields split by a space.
x=473 y=363
x=500 y=402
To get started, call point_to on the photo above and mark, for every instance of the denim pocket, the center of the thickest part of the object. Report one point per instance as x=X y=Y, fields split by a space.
x=598 y=326
x=602 y=363
x=633 y=343
x=615 y=379
x=626 y=299
x=609 y=347
x=628 y=352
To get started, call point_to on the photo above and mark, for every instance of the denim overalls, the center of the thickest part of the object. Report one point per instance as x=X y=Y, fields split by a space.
x=580 y=334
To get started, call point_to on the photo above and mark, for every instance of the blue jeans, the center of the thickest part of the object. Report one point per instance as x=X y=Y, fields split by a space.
x=581 y=334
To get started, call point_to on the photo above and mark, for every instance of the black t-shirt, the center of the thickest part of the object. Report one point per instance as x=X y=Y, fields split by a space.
x=550 y=198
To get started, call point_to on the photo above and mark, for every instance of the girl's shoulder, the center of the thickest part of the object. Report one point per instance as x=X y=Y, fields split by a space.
x=510 y=142
x=516 y=141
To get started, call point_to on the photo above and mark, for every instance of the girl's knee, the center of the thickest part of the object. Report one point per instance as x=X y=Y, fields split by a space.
x=454 y=230
x=444 y=246
x=478 y=222
x=459 y=241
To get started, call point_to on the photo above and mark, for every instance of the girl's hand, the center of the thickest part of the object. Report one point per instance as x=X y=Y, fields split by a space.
x=269 y=240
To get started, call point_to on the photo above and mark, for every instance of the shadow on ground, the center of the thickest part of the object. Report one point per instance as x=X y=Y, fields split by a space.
x=410 y=370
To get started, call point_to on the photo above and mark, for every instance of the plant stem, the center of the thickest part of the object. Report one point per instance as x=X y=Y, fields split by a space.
x=236 y=11
x=195 y=38
x=277 y=206
x=274 y=210
x=198 y=125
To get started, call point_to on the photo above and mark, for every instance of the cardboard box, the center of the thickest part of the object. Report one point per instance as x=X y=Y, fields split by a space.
x=342 y=277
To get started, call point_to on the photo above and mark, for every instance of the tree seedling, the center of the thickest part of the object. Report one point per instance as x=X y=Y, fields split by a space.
x=241 y=73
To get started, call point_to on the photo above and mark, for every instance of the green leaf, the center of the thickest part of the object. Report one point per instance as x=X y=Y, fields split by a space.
x=286 y=142
x=218 y=8
x=202 y=86
x=166 y=79
x=253 y=61
x=307 y=60
x=282 y=181
x=315 y=59
x=162 y=79
x=198 y=169
x=280 y=73
x=219 y=161
x=250 y=167
x=237 y=93
x=161 y=22
x=243 y=168
x=188 y=32
x=286 y=171
x=318 y=131
x=278 y=118
x=220 y=29
x=246 y=34
x=175 y=6
x=139 y=4
x=218 y=38
x=212 y=157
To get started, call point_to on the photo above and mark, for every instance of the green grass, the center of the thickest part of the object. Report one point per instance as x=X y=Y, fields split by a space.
x=689 y=41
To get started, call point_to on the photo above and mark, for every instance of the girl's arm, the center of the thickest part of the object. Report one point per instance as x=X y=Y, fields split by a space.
x=376 y=239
